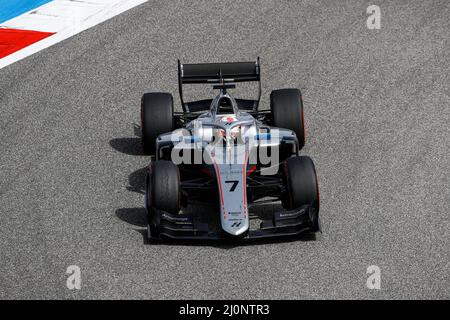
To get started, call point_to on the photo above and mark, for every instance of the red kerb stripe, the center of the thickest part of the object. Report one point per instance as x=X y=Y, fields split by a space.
x=12 y=40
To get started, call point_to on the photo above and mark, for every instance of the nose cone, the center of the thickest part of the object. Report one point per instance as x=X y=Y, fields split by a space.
x=235 y=227
x=231 y=181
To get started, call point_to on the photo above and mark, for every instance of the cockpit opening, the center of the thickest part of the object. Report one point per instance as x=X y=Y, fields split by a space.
x=224 y=106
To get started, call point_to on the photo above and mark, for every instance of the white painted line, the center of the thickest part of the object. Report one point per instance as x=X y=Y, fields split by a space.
x=59 y=15
x=66 y=18
x=55 y=16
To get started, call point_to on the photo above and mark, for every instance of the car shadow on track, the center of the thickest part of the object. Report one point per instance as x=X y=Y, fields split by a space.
x=136 y=181
x=134 y=216
x=130 y=145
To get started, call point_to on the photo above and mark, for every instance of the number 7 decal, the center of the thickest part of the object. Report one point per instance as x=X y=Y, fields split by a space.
x=234 y=182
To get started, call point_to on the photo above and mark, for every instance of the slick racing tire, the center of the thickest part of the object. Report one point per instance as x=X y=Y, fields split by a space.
x=162 y=192
x=156 y=118
x=286 y=106
x=302 y=186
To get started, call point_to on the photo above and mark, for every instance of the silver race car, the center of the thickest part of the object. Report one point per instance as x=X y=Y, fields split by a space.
x=222 y=168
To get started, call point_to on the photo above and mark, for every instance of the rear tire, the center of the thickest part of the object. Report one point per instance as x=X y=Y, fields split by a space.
x=156 y=118
x=286 y=106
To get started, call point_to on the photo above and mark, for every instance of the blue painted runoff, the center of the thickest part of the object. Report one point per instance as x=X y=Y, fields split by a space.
x=12 y=8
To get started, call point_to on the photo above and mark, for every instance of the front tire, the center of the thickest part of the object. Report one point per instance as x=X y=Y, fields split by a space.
x=301 y=181
x=162 y=192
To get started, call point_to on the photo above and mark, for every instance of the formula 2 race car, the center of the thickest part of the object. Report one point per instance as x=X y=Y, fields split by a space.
x=219 y=165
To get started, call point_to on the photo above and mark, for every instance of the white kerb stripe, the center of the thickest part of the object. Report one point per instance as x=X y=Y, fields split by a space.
x=66 y=18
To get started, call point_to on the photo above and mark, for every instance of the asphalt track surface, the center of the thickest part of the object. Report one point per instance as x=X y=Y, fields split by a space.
x=377 y=111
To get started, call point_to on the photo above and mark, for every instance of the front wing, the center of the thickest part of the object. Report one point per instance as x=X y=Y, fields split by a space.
x=283 y=223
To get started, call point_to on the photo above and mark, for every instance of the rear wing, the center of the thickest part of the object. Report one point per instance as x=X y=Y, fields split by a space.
x=217 y=73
